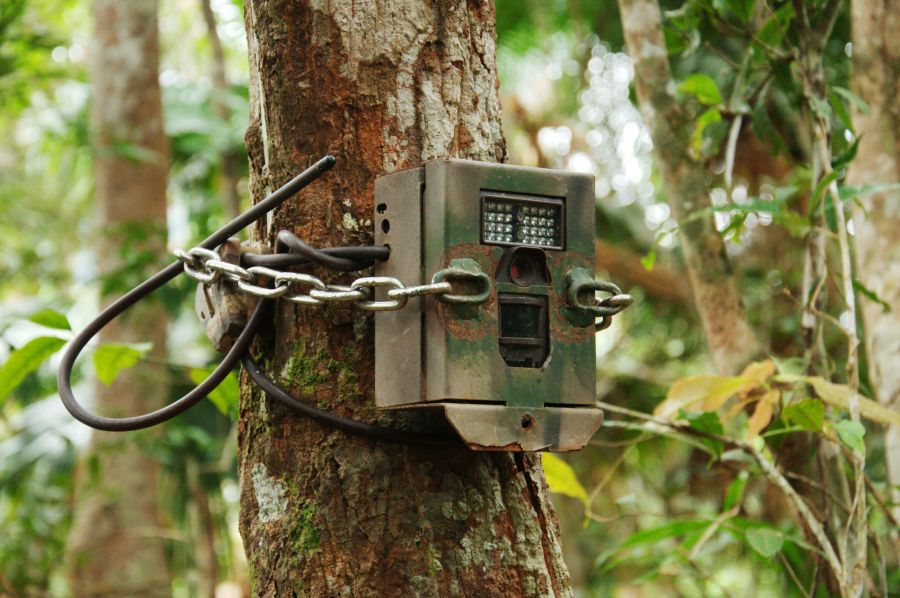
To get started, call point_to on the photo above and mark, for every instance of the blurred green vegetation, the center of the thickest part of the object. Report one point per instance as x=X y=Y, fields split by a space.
x=644 y=511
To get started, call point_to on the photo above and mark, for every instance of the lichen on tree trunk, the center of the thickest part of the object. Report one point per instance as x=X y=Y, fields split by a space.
x=383 y=86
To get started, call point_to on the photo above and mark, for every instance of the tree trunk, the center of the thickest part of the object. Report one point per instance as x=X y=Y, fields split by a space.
x=876 y=79
x=116 y=547
x=383 y=85
x=731 y=340
x=229 y=161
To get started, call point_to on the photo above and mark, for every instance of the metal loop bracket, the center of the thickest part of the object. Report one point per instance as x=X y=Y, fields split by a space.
x=580 y=281
x=420 y=290
x=460 y=270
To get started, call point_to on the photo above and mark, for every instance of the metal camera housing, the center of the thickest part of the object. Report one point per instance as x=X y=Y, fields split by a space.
x=517 y=371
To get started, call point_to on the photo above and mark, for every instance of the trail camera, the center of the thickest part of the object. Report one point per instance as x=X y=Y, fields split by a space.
x=515 y=370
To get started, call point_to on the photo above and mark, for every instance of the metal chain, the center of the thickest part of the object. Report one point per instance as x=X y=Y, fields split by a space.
x=205 y=266
x=614 y=305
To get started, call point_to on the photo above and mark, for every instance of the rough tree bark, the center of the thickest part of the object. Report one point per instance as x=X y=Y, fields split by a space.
x=731 y=340
x=383 y=85
x=876 y=79
x=116 y=547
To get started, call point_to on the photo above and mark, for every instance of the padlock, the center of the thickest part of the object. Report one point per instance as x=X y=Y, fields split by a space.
x=222 y=309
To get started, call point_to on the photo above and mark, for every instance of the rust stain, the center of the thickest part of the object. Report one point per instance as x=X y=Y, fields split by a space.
x=511 y=447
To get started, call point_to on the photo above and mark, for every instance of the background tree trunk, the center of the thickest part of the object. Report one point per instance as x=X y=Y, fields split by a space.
x=383 y=85
x=876 y=79
x=116 y=544
x=731 y=340
x=229 y=161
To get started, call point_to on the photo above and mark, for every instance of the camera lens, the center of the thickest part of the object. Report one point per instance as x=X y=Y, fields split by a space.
x=523 y=269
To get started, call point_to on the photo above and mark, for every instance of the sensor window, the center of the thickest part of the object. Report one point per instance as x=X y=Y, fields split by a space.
x=511 y=219
x=520 y=321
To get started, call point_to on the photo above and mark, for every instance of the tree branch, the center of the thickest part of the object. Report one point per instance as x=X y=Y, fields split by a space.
x=731 y=340
x=769 y=470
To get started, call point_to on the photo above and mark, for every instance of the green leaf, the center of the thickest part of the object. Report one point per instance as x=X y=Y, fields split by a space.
x=848 y=193
x=735 y=226
x=561 y=478
x=846 y=156
x=51 y=319
x=649 y=260
x=819 y=191
x=852 y=434
x=773 y=30
x=225 y=396
x=785 y=193
x=666 y=530
x=840 y=395
x=790 y=365
x=742 y=9
x=808 y=414
x=852 y=98
x=795 y=224
x=764 y=129
x=25 y=360
x=708 y=422
x=765 y=541
x=112 y=358
x=840 y=110
x=734 y=495
x=871 y=295
x=703 y=87
x=752 y=204
x=709 y=117
x=820 y=107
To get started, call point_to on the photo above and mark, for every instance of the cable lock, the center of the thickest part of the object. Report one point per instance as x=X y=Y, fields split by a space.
x=205 y=265
x=337 y=258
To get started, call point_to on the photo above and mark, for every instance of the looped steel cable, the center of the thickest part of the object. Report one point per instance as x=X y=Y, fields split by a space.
x=327 y=418
x=339 y=258
x=364 y=257
x=77 y=345
x=297 y=246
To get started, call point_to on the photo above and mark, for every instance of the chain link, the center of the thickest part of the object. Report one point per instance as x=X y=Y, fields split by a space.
x=206 y=267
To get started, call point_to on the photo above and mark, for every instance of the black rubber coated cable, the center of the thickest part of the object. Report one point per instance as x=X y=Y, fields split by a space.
x=77 y=345
x=361 y=257
x=353 y=426
x=295 y=245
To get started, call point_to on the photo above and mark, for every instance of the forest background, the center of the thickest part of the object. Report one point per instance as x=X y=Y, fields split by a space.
x=746 y=185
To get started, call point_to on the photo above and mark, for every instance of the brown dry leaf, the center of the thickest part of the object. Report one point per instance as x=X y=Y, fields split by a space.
x=701 y=393
x=760 y=372
x=762 y=415
x=738 y=407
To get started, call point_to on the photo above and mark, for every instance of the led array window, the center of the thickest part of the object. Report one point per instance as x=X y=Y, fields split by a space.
x=508 y=221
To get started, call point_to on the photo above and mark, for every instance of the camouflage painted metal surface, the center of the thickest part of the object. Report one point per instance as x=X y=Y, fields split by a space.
x=437 y=353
